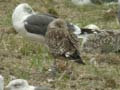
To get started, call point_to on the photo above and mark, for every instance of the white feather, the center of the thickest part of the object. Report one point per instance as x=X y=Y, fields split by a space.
x=77 y=30
x=21 y=85
x=1 y=82
x=18 y=17
x=81 y=2
x=92 y=26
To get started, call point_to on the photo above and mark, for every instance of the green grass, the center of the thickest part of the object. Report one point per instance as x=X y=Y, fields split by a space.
x=23 y=59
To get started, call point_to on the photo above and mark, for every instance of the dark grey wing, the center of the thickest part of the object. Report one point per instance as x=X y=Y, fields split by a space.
x=51 y=15
x=43 y=88
x=37 y=24
x=75 y=42
x=71 y=26
x=89 y=31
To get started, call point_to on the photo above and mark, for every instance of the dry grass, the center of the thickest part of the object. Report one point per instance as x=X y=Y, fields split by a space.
x=23 y=59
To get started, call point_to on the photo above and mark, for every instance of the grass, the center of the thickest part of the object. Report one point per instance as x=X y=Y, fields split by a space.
x=23 y=59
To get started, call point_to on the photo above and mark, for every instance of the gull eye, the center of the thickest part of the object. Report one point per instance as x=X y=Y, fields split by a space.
x=17 y=85
x=27 y=9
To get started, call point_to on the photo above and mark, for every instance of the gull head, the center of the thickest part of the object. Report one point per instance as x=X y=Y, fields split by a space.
x=58 y=23
x=18 y=84
x=21 y=10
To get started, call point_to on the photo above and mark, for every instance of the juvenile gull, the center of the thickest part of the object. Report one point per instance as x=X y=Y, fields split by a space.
x=62 y=42
x=21 y=84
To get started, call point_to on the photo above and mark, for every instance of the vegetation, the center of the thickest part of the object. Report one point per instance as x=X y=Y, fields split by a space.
x=23 y=59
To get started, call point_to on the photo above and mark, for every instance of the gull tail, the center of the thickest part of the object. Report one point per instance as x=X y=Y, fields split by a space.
x=77 y=58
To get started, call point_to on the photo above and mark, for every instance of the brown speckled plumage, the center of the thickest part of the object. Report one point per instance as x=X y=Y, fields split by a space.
x=61 y=41
x=104 y=42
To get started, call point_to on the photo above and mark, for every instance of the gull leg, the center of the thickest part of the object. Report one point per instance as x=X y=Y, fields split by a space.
x=53 y=70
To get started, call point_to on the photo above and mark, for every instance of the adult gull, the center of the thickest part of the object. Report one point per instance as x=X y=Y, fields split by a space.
x=34 y=26
x=29 y=23
x=21 y=84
